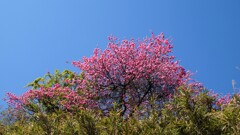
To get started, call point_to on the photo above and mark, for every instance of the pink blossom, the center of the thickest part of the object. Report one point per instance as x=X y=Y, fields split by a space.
x=135 y=69
x=65 y=96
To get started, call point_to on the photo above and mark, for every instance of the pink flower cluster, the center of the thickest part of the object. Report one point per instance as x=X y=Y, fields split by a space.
x=57 y=96
x=130 y=72
x=223 y=100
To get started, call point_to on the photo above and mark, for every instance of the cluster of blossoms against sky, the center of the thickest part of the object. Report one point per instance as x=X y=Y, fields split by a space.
x=129 y=72
x=126 y=72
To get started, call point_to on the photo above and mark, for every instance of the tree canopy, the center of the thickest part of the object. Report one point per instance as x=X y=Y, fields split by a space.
x=131 y=87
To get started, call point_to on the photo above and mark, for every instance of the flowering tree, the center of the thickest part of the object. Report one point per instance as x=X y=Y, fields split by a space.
x=130 y=73
x=53 y=93
x=123 y=80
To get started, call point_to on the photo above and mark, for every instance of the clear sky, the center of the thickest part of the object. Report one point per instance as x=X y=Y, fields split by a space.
x=37 y=36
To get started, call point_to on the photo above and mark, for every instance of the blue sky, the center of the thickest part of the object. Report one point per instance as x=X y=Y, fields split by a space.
x=40 y=36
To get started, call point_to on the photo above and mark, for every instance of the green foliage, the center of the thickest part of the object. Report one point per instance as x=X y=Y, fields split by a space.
x=190 y=111
x=50 y=79
x=229 y=116
x=187 y=113
x=61 y=123
x=190 y=114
